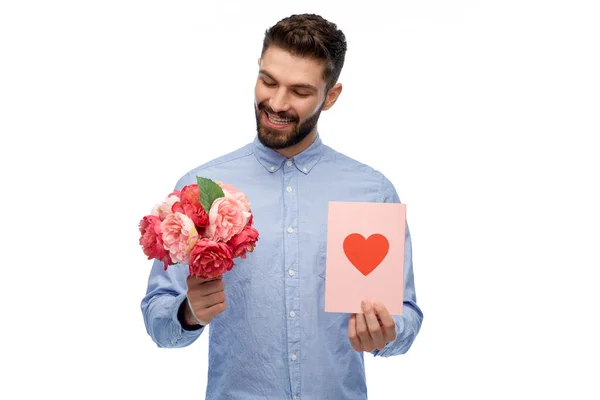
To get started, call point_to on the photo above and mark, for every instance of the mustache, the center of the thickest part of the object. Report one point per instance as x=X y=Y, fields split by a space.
x=283 y=115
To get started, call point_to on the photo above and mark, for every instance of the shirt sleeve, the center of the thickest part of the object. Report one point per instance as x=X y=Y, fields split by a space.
x=161 y=305
x=409 y=323
x=166 y=292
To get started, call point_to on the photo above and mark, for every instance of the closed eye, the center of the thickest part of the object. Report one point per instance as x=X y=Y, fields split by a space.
x=270 y=85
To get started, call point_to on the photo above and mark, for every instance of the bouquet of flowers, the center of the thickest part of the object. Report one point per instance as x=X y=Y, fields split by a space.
x=204 y=225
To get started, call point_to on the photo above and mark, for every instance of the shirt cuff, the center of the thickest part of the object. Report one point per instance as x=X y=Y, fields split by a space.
x=181 y=318
x=388 y=350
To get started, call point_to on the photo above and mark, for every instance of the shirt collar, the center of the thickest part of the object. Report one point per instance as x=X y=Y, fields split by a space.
x=304 y=162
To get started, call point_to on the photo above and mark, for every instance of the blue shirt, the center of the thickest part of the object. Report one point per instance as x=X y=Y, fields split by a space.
x=274 y=340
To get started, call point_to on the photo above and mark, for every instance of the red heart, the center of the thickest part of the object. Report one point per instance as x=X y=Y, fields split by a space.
x=366 y=254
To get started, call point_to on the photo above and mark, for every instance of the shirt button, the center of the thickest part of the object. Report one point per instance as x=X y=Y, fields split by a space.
x=294 y=357
x=292 y=314
x=305 y=169
x=290 y=230
x=289 y=163
x=289 y=188
x=272 y=168
x=292 y=272
x=296 y=398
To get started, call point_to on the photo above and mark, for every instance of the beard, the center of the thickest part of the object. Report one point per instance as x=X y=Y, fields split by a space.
x=276 y=139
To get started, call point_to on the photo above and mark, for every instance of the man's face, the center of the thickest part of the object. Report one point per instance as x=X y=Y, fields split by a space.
x=289 y=97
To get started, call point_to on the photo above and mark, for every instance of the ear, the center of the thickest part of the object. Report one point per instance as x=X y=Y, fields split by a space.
x=259 y=62
x=332 y=96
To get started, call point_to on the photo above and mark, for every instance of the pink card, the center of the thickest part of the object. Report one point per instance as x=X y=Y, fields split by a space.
x=365 y=256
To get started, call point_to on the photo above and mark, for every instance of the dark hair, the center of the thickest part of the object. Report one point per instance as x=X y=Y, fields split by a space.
x=312 y=36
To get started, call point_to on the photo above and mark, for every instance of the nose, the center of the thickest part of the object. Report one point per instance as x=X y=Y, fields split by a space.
x=278 y=102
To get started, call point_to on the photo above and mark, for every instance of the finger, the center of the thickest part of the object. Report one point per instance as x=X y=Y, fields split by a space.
x=207 y=288
x=373 y=325
x=207 y=314
x=193 y=281
x=352 y=334
x=363 y=333
x=201 y=302
x=387 y=322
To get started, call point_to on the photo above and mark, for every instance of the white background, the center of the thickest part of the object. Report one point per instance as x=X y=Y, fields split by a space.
x=483 y=114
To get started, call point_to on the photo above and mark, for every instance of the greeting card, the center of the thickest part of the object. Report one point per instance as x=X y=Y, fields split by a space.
x=365 y=256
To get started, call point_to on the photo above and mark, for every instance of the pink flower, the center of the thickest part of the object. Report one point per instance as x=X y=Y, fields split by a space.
x=233 y=192
x=190 y=205
x=165 y=208
x=244 y=241
x=179 y=236
x=210 y=259
x=151 y=240
x=180 y=230
x=226 y=218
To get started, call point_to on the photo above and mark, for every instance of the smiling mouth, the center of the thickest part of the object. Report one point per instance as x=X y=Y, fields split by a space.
x=278 y=122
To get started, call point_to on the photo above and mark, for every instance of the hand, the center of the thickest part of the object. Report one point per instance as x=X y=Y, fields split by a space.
x=372 y=329
x=206 y=298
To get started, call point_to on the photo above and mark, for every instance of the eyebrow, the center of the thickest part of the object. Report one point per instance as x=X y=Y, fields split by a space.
x=297 y=85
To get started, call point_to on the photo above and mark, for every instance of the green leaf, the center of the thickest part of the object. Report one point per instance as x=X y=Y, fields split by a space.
x=209 y=192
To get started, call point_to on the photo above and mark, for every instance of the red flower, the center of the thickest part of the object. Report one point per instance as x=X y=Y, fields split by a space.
x=244 y=241
x=210 y=259
x=189 y=204
x=151 y=240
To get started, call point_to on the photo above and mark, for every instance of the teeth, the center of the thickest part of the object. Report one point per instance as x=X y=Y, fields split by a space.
x=278 y=121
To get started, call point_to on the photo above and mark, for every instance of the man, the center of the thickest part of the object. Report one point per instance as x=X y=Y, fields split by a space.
x=269 y=335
